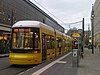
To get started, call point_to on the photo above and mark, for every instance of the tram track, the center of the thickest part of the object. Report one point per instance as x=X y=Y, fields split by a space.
x=4 y=68
x=7 y=69
x=14 y=69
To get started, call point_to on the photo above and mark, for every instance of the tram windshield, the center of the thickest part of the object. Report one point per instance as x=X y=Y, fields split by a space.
x=25 y=38
x=22 y=38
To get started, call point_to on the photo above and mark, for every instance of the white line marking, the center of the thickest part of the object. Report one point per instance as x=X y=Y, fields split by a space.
x=62 y=62
x=21 y=73
x=49 y=65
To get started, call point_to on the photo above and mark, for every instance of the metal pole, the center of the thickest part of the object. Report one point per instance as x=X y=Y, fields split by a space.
x=82 y=36
x=88 y=34
x=92 y=37
x=92 y=20
x=12 y=18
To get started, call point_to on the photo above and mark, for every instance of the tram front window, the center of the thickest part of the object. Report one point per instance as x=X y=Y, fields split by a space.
x=22 y=38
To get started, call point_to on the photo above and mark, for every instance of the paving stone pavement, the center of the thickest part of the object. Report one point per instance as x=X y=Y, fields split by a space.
x=90 y=64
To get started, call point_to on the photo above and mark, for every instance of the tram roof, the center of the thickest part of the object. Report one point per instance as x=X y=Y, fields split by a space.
x=27 y=23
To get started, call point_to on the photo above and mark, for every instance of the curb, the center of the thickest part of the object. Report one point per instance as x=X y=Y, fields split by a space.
x=4 y=55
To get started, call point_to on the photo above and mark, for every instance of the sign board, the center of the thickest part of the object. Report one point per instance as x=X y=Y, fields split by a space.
x=75 y=35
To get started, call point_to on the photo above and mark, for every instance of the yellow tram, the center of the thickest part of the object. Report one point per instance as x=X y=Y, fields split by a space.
x=33 y=42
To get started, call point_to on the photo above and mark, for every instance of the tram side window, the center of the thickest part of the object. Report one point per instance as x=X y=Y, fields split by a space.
x=64 y=43
x=43 y=41
x=37 y=43
x=59 y=43
x=52 y=42
x=48 y=42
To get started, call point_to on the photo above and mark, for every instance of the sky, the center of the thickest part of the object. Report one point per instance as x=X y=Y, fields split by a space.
x=66 y=12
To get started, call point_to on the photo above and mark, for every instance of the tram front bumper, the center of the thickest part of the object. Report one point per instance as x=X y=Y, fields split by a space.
x=16 y=58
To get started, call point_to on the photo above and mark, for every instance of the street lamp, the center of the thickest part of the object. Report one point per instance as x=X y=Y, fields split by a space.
x=92 y=26
x=82 y=35
x=12 y=17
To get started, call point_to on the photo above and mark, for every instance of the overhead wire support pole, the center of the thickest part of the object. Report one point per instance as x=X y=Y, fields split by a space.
x=12 y=17
x=82 y=36
x=92 y=22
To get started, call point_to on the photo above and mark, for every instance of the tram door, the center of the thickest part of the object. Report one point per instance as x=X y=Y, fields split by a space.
x=44 y=47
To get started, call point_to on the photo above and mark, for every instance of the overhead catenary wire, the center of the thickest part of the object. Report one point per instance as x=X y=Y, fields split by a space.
x=48 y=11
x=55 y=16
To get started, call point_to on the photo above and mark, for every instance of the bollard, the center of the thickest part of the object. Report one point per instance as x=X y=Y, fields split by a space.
x=75 y=60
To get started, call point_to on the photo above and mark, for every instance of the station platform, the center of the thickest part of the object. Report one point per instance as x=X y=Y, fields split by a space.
x=4 y=55
x=89 y=65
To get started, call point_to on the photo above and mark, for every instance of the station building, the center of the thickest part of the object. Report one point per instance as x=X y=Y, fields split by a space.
x=12 y=11
x=95 y=19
